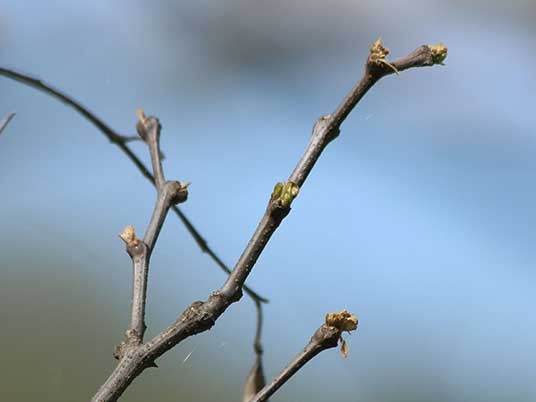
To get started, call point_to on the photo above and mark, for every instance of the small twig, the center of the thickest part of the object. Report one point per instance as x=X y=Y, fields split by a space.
x=137 y=250
x=325 y=130
x=5 y=122
x=201 y=316
x=327 y=127
x=149 y=130
x=168 y=193
x=121 y=141
x=325 y=337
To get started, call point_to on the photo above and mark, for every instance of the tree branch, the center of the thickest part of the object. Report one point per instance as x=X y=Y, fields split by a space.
x=5 y=122
x=327 y=127
x=121 y=141
x=325 y=337
x=168 y=193
x=137 y=250
x=201 y=316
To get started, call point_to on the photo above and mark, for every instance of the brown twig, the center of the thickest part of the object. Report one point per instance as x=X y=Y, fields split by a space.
x=137 y=250
x=121 y=141
x=5 y=121
x=325 y=337
x=202 y=315
x=168 y=193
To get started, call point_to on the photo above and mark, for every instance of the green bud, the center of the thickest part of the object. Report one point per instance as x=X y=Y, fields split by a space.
x=285 y=193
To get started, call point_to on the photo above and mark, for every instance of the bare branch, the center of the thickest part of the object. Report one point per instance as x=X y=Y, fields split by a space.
x=201 y=316
x=149 y=130
x=121 y=141
x=324 y=131
x=5 y=122
x=168 y=193
x=325 y=337
x=138 y=251
x=327 y=127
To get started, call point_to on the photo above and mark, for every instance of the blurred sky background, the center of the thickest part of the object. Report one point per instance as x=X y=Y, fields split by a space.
x=420 y=218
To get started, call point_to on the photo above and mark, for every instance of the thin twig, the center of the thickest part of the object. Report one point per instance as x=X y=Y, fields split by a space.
x=137 y=250
x=5 y=122
x=168 y=193
x=149 y=130
x=255 y=379
x=121 y=141
x=201 y=316
x=325 y=337
x=140 y=262
x=325 y=130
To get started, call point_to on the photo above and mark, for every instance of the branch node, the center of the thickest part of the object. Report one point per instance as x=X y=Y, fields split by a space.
x=176 y=191
x=197 y=316
x=131 y=339
x=128 y=235
x=146 y=125
x=135 y=247
x=284 y=194
x=377 y=56
x=324 y=128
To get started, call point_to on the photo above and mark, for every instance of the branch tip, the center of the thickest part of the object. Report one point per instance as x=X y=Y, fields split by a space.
x=141 y=115
x=343 y=321
x=439 y=53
